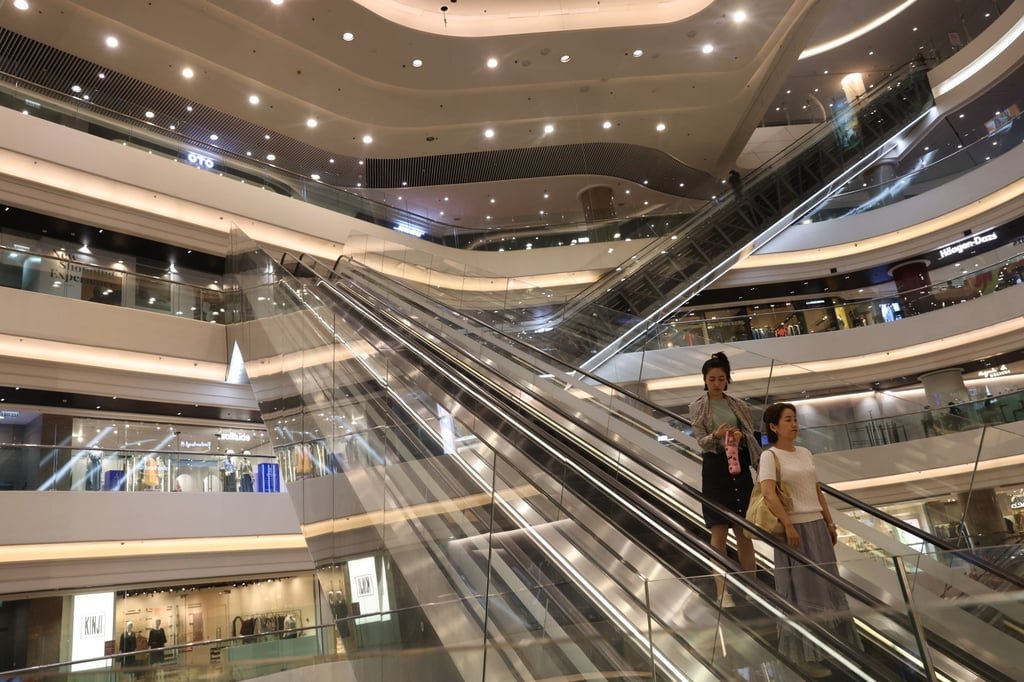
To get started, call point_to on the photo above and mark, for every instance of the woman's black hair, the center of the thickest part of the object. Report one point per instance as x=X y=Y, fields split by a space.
x=772 y=417
x=716 y=361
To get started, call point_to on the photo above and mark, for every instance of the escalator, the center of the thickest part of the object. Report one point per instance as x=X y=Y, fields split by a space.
x=619 y=307
x=556 y=514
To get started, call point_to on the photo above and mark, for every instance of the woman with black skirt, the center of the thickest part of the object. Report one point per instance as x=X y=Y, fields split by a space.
x=714 y=417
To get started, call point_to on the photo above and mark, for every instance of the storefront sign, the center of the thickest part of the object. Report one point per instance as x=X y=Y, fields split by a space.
x=196 y=444
x=967 y=244
x=200 y=161
x=9 y=414
x=992 y=373
x=236 y=436
x=92 y=627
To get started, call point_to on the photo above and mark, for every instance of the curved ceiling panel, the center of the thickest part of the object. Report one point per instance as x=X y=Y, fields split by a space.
x=516 y=17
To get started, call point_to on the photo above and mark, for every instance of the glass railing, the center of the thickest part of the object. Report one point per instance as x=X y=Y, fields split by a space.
x=685 y=634
x=962 y=416
x=70 y=277
x=784 y=318
x=106 y=121
x=929 y=172
x=50 y=467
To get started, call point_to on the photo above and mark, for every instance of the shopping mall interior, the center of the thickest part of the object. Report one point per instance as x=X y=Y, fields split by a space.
x=357 y=339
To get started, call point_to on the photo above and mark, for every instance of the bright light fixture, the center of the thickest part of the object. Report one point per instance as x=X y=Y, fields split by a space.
x=417 y=63
x=112 y=42
x=660 y=127
x=367 y=139
x=565 y=59
x=76 y=89
x=254 y=99
x=276 y=2
x=315 y=176
x=271 y=157
x=311 y=123
x=101 y=75
x=638 y=53
x=548 y=129
x=492 y=63
x=21 y=4
x=606 y=125
x=708 y=48
x=214 y=137
x=187 y=72
x=150 y=114
x=489 y=133
x=739 y=16
x=348 y=36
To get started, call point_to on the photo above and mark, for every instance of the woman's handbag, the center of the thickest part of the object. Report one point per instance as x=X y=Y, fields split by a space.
x=758 y=512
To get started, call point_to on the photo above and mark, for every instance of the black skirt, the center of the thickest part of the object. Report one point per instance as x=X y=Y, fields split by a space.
x=731 y=492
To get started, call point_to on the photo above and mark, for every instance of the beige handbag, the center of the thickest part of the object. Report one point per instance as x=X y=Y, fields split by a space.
x=758 y=512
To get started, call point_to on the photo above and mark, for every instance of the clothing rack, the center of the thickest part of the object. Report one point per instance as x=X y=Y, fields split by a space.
x=263 y=623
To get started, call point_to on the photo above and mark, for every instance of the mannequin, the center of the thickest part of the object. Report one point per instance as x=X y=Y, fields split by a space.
x=151 y=473
x=289 y=626
x=228 y=475
x=127 y=644
x=157 y=640
x=94 y=471
x=245 y=470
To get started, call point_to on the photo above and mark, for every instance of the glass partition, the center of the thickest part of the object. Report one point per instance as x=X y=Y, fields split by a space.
x=62 y=275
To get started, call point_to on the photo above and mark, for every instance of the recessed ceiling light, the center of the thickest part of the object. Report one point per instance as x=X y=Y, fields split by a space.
x=101 y=75
x=21 y=4
x=172 y=127
x=76 y=88
x=311 y=123
x=266 y=136
x=214 y=137
x=708 y=48
x=112 y=41
x=248 y=153
x=492 y=200
x=492 y=63
x=188 y=108
x=606 y=125
x=271 y=157
x=446 y=198
x=348 y=36
x=276 y=2
x=315 y=176
x=254 y=99
x=367 y=139
x=361 y=162
x=187 y=72
x=330 y=160
x=627 y=191
x=565 y=59
x=660 y=127
x=417 y=63
x=545 y=195
x=442 y=212
x=739 y=16
x=489 y=133
x=149 y=114
x=399 y=198
x=826 y=72
x=548 y=129
x=638 y=53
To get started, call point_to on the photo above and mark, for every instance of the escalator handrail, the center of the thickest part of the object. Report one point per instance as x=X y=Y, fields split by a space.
x=973 y=559
x=755 y=176
x=621 y=488
x=615 y=483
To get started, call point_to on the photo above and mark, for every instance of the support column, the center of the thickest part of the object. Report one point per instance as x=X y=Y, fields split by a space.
x=913 y=283
x=945 y=386
x=983 y=517
x=598 y=203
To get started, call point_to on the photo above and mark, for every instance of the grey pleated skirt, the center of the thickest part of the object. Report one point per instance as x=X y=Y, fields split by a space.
x=823 y=602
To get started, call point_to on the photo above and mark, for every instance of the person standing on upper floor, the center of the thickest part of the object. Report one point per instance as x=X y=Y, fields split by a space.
x=716 y=416
x=809 y=530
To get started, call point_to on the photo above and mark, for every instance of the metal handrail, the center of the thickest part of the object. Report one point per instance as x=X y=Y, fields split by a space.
x=975 y=560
